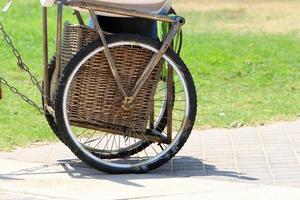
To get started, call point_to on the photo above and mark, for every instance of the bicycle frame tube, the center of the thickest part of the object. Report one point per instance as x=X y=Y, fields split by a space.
x=58 y=41
x=108 y=54
x=47 y=96
x=156 y=57
x=45 y=48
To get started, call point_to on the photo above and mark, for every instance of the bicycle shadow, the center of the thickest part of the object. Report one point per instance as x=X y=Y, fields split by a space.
x=180 y=166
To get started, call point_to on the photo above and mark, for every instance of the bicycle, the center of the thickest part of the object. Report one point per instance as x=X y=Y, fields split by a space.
x=123 y=103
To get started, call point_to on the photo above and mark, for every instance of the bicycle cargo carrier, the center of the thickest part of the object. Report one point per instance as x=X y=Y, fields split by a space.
x=104 y=110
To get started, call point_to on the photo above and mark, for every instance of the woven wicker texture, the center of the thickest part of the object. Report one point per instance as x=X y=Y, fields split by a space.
x=94 y=99
x=75 y=37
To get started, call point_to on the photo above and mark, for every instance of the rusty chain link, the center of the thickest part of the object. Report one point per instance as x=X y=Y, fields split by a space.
x=22 y=96
x=20 y=62
x=23 y=67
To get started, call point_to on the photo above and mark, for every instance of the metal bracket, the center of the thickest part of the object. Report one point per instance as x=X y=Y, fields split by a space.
x=50 y=110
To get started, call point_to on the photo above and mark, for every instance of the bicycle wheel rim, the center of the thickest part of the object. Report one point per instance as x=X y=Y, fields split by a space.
x=148 y=161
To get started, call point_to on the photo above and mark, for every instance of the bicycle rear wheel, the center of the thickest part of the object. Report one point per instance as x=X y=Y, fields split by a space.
x=88 y=130
x=130 y=150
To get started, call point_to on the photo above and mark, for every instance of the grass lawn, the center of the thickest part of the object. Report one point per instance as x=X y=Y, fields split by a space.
x=244 y=56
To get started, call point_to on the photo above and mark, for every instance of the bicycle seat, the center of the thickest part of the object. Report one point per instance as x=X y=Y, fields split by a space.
x=150 y=6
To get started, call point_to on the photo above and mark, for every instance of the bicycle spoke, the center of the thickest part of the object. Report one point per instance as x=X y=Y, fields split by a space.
x=166 y=87
x=90 y=137
x=166 y=100
x=161 y=147
x=100 y=141
x=141 y=132
x=93 y=140
x=107 y=142
x=178 y=109
x=167 y=118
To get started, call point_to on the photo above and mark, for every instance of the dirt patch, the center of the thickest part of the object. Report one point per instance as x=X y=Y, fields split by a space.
x=207 y=5
x=246 y=15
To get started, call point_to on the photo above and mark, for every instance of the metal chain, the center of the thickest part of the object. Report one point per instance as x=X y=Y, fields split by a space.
x=22 y=96
x=23 y=67
x=20 y=62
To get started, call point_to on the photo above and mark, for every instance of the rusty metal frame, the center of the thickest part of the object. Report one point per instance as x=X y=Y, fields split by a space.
x=79 y=17
x=170 y=96
x=108 y=55
x=57 y=69
x=176 y=23
x=47 y=96
x=96 y=6
x=45 y=51
x=175 y=29
x=149 y=135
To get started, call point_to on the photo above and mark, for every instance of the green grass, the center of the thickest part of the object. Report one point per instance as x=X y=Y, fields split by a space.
x=244 y=79
x=241 y=77
x=21 y=125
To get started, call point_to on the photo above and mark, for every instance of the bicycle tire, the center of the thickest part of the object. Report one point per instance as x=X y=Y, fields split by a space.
x=96 y=162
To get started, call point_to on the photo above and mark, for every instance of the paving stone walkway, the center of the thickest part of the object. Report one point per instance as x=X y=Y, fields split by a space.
x=263 y=155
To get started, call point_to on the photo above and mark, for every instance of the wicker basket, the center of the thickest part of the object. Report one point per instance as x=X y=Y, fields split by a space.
x=95 y=102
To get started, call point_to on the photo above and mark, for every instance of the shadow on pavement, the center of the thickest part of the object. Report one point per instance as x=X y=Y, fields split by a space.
x=181 y=166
